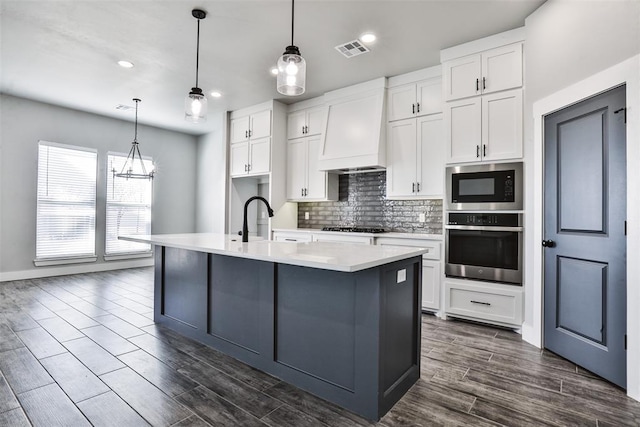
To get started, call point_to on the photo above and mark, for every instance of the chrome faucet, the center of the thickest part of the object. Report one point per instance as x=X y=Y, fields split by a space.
x=245 y=228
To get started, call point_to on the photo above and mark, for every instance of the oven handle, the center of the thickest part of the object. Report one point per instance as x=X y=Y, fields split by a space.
x=482 y=228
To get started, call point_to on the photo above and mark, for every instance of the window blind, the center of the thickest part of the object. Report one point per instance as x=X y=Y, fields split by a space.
x=128 y=208
x=66 y=205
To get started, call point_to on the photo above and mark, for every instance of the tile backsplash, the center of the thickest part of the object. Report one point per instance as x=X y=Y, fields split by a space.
x=362 y=203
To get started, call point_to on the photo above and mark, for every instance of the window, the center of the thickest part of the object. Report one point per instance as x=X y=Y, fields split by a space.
x=66 y=205
x=128 y=208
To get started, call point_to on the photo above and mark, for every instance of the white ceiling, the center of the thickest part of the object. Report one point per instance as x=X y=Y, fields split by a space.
x=65 y=52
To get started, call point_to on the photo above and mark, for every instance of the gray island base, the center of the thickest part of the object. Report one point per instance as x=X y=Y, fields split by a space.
x=350 y=337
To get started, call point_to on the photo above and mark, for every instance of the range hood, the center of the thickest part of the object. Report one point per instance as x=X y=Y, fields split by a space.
x=354 y=135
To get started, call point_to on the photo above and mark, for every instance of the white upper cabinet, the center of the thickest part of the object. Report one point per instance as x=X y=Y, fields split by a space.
x=414 y=99
x=254 y=126
x=306 y=122
x=484 y=128
x=486 y=72
x=416 y=158
x=304 y=181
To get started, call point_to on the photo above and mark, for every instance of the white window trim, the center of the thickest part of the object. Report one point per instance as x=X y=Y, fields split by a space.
x=43 y=262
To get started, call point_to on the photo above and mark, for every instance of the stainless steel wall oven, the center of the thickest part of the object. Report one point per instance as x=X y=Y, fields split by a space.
x=485 y=246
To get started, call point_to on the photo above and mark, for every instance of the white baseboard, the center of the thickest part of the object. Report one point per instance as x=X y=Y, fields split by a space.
x=73 y=269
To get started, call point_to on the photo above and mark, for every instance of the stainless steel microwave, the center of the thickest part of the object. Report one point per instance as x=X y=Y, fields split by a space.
x=496 y=186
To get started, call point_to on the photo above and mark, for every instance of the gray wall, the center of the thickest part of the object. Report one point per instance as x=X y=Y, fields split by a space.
x=568 y=41
x=212 y=177
x=362 y=203
x=24 y=123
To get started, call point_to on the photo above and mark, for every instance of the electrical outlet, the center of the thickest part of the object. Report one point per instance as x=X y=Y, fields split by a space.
x=306 y=215
x=421 y=218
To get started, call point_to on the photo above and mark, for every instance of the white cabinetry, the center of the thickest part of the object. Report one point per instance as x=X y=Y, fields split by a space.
x=489 y=302
x=304 y=181
x=254 y=126
x=431 y=267
x=485 y=128
x=482 y=83
x=414 y=99
x=291 y=236
x=305 y=122
x=416 y=158
x=490 y=71
x=250 y=147
x=341 y=238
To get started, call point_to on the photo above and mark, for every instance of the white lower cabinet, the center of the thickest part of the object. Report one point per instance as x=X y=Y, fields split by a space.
x=291 y=236
x=431 y=267
x=340 y=238
x=487 y=302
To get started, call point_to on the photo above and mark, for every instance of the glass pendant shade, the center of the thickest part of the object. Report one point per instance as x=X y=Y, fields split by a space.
x=292 y=72
x=195 y=106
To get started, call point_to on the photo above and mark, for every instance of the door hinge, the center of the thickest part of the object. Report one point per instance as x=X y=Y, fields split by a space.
x=625 y=113
x=625 y=341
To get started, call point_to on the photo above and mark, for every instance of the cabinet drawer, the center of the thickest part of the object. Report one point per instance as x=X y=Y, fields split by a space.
x=337 y=238
x=432 y=246
x=291 y=237
x=492 y=303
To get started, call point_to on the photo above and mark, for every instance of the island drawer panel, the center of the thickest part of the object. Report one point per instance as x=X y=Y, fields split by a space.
x=235 y=300
x=315 y=323
x=184 y=296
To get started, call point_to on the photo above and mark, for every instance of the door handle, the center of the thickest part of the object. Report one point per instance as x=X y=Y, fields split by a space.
x=418 y=187
x=245 y=168
x=548 y=243
x=418 y=104
x=484 y=83
x=480 y=302
x=477 y=85
x=477 y=151
x=246 y=134
x=413 y=108
x=484 y=150
x=413 y=187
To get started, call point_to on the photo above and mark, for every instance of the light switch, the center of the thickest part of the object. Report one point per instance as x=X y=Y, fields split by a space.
x=401 y=276
x=421 y=217
x=306 y=215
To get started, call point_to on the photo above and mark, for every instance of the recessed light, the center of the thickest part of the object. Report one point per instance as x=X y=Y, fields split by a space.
x=368 y=38
x=274 y=71
x=125 y=64
x=216 y=94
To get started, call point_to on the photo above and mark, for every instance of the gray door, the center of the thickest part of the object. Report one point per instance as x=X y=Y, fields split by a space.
x=585 y=243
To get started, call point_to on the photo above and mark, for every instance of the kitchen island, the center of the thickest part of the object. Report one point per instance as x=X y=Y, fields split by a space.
x=341 y=321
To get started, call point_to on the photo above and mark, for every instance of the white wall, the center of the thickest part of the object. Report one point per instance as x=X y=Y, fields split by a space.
x=23 y=123
x=574 y=50
x=212 y=175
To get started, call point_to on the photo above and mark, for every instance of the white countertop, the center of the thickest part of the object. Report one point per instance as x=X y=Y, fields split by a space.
x=327 y=256
x=385 y=234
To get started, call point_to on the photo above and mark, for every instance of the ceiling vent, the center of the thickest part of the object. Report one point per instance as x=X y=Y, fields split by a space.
x=352 y=48
x=125 y=108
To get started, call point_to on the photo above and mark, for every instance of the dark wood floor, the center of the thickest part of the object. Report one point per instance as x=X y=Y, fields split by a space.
x=83 y=349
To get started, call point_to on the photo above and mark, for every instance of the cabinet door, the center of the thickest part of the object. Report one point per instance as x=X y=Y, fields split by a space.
x=240 y=129
x=259 y=156
x=431 y=154
x=314 y=121
x=296 y=122
x=430 y=284
x=261 y=124
x=429 y=97
x=316 y=180
x=402 y=102
x=502 y=125
x=402 y=158
x=462 y=77
x=239 y=158
x=502 y=68
x=296 y=168
x=463 y=130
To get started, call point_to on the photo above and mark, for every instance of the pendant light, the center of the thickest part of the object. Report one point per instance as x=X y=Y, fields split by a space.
x=131 y=169
x=292 y=68
x=196 y=103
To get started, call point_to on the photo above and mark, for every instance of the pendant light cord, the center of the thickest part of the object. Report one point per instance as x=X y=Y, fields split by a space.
x=292 y=22
x=135 y=135
x=198 y=52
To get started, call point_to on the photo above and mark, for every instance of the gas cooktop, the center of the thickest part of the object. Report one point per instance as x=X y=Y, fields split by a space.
x=355 y=229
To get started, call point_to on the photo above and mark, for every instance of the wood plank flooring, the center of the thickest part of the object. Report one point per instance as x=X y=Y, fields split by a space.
x=83 y=350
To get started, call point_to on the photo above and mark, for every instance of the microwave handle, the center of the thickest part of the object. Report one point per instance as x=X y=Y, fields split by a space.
x=481 y=228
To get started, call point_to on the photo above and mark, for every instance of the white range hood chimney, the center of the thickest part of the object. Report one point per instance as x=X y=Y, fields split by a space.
x=354 y=134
